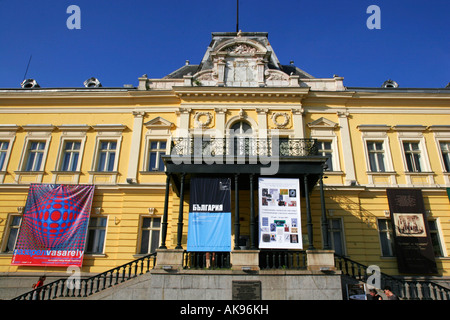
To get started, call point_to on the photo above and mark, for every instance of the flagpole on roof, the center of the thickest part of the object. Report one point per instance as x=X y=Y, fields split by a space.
x=237 y=15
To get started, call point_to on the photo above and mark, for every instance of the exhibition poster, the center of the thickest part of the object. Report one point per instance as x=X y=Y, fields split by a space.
x=279 y=213
x=54 y=225
x=209 y=227
x=412 y=240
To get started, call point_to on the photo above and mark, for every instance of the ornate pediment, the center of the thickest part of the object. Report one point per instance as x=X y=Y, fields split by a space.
x=322 y=123
x=240 y=46
x=159 y=123
x=242 y=60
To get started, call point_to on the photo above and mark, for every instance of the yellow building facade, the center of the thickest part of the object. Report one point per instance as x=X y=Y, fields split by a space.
x=121 y=139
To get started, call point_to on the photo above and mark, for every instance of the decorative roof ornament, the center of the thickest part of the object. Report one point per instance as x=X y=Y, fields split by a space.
x=390 y=84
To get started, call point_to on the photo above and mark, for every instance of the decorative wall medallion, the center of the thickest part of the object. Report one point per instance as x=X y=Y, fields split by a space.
x=202 y=119
x=283 y=116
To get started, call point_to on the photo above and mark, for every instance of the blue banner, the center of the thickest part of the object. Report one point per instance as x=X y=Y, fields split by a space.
x=209 y=226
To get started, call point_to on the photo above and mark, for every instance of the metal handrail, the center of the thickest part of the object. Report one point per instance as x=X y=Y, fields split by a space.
x=67 y=287
x=405 y=289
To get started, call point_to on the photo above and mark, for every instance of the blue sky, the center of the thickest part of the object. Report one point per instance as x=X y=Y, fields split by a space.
x=121 y=40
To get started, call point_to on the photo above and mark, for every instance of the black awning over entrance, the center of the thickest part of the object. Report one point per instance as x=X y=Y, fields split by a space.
x=244 y=174
x=311 y=167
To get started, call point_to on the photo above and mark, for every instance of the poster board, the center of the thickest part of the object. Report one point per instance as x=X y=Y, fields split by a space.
x=279 y=213
x=412 y=240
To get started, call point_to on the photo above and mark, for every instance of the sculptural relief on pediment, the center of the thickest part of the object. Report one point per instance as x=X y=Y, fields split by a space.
x=240 y=62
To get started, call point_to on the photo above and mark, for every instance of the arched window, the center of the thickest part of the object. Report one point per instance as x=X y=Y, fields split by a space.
x=241 y=127
x=241 y=132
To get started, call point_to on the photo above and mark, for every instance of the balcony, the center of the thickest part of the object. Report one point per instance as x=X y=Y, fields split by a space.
x=244 y=156
x=240 y=147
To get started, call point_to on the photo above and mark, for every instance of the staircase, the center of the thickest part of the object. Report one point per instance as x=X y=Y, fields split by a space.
x=82 y=288
x=404 y=289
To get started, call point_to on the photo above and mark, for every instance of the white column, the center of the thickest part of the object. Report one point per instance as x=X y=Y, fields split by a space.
x=298 y=124
x=183 y=122
x=220 y=122
x=262 y=122
x=135 y=146
x=349 y=166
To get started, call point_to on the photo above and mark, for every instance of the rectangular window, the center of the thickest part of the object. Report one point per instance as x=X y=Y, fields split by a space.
x=326 y=150
x=106 y=156
x=13 y=231
x=3 y=152
x=35 y=155
x=150 y=231
x=386 y=237
x=157 y=150
x=445 y=150
x=412 y=156
x=71 y=156
x=96 y=235
x=435 y=238
x=336 y=236
x=376 y=156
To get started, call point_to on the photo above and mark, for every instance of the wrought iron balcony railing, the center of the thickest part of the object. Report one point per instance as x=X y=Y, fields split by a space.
x=240 y=146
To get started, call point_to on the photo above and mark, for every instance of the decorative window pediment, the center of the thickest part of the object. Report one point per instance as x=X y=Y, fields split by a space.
x=158 y=123
x=322 y=123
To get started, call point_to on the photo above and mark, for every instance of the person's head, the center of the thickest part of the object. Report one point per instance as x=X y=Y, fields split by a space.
x=372 y=292
x=387 y=290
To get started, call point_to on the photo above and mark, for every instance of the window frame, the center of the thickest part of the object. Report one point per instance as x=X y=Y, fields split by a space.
x=331 y=230
x=378 y=133
x=323 y=129
x=445 y=155
x=110 y=155
x=414 y=133
x=7 y=232
x=109 y=133
x=438 y=237
x=71 y=152
x=324 y=153
x=389 y=231
x=442 y=134
x=71 y=133
x=34 y=133
x=158 y=129
x=7 y=134
x=379 y=165
x=96 y=228
x=158 y=151
x=151 y=229
x=6 y=152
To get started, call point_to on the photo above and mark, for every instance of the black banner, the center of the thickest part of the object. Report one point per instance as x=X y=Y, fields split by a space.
x=210 y=195
x=412 y=238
